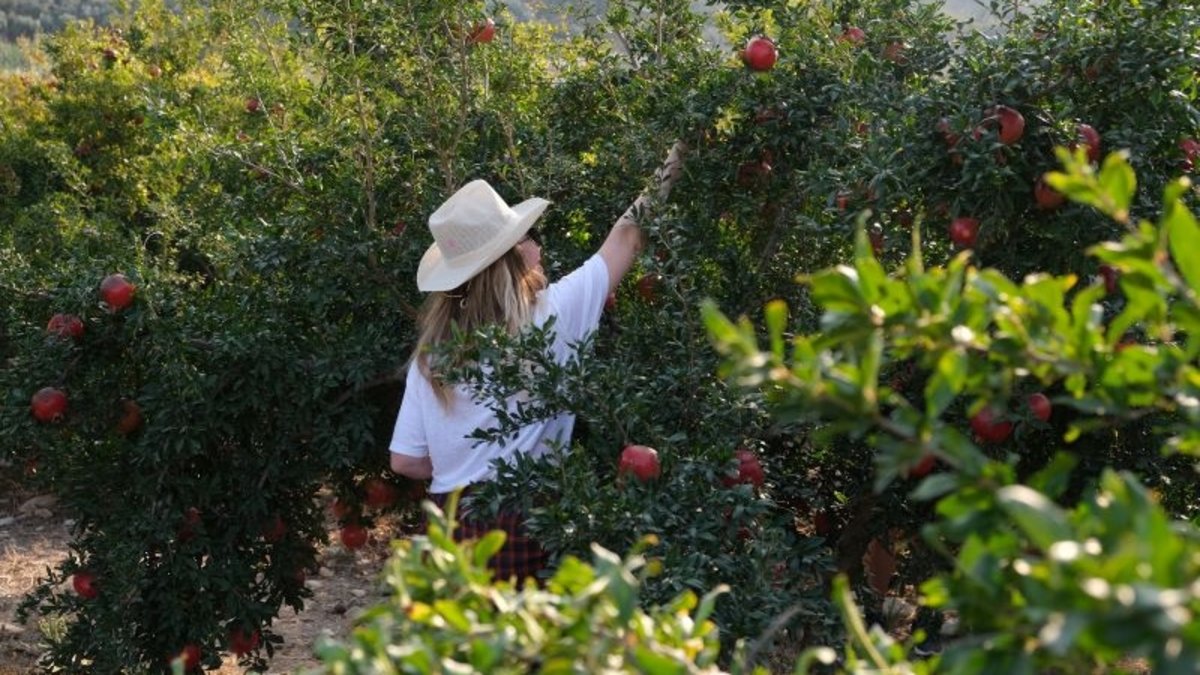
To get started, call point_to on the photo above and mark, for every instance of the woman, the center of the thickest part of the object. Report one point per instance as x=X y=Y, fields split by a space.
x=484 y=269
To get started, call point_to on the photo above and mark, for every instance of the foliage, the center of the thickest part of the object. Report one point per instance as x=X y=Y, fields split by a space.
x=763 y=199
x=1035 y=585
x=262 y=172
x=29 y=18
x=446 y=613
x=262 y=348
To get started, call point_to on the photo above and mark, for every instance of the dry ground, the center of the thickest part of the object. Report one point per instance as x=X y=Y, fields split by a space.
x=36 y=538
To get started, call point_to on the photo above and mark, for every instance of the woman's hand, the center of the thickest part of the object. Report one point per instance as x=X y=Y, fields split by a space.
x=624 y=241
x=671 y=169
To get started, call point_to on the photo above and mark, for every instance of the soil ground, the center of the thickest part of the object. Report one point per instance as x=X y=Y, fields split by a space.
x=33 y=539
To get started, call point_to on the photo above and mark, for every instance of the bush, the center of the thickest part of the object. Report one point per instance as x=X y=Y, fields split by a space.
x=261 y=177
x=1035 y=585
x=445 y=611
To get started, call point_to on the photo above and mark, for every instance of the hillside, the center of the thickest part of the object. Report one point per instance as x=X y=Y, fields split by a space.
x=29 y=18
x=25 y=18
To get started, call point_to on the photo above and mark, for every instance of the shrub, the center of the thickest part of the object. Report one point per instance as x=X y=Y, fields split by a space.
x=262 y=176
x=445 y=612
x=1035 y=585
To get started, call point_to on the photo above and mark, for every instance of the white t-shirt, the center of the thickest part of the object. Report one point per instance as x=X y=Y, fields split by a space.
x=425 y=428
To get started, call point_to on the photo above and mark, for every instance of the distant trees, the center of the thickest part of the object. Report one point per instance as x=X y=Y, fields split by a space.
x=25 y=18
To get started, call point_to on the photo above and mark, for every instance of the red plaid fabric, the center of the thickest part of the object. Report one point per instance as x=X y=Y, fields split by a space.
x=520 y=557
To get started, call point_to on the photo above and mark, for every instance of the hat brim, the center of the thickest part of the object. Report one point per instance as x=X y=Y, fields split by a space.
x=437 y=273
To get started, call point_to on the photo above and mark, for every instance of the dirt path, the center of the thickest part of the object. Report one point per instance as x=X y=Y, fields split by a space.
x=36 y=538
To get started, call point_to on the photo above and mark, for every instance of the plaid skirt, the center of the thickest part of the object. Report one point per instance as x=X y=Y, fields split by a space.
x=520 y=557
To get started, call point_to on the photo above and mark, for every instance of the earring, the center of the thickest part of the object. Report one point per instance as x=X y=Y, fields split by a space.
x=461 y=297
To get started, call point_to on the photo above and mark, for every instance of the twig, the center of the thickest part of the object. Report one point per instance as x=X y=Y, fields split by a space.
x=36 y=295
x=411 y=311
x=464 y=93
x=219 y=153
x=859 y=632
x=270 y=52
x=777 y=624
x=512 y=152
x=364 y=132
x=628 y=49
x=658 y=45
x=773 y=237
x=377 y=381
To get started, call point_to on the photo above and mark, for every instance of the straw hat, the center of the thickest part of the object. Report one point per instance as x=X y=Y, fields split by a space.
x=471 y=230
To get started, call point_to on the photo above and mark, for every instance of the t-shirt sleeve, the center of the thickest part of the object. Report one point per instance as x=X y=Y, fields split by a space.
x=409 y=437
x=577 y=300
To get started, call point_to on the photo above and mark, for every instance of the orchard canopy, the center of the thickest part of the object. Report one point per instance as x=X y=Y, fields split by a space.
x=921 y=314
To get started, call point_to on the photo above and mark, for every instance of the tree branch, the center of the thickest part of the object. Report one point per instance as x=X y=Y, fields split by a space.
x=377 y=381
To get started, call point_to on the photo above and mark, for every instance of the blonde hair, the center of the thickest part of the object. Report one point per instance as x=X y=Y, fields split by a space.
x=503 y=294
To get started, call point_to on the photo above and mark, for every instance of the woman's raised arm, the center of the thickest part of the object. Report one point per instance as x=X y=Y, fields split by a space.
x=624 y=241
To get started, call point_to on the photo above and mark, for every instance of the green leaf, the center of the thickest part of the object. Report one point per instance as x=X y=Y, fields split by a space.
x=572 y=576
x=1086 y=317
x=776 y=319
x=1078 y=182
x=1187 y=321
x=1183 y=238
x=957 y=449
x=1143 y=303
x=484 y=656
x=935 y=486
x=488 y=546
x=1055 y=477
x=948 y=379
x=440 y=539
x=654 y=663
x=720 y=328
x=1131 y=378
x=1119 y=182
x=837 y=290
x=709 y=603
x=873 y=279
x=560 y=665
x=453 y=614
x=1039 y=518
x=952 y=285
x=1047 y=302
x=838 y=328
x=916 y=262
x=871 y=359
